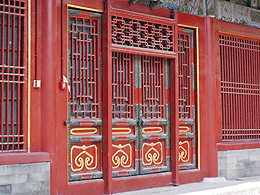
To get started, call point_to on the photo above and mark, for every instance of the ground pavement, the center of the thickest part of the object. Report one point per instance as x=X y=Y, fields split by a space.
x=209 y=186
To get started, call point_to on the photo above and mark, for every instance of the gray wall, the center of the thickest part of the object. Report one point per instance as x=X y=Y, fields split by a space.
x=32 y=178
x=239 y=163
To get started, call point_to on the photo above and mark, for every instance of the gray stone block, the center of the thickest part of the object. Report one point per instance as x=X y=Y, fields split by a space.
x=5 y=189
x=43 y=176
x=26 y=187
x=5 y=170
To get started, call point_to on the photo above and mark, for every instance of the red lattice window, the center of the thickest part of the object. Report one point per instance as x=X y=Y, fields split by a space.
x=187 y=106
x=123 y=85
x=84 y=70
x=153 y=85
x=186 y=75
x=130 y=30
x=240 y=87
x=13 y=75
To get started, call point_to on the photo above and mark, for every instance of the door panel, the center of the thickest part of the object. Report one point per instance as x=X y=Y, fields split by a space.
x=154 y=115
x=84 y=107
x=187 y=88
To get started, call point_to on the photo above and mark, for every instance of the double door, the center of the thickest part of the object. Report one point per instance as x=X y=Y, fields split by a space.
x=140 y=106
x=140 y=112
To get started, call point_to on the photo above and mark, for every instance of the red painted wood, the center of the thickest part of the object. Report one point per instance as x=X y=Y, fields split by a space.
x=97 y=5
x=141 y=182
x=49 y=85
x=234 y=29
x=23 y=158
x=35 y=135
x=107 y=99
x=199 y=22
x=212 y=158
x=238 y=145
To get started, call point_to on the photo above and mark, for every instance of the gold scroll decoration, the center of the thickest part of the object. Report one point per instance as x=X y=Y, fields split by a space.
x=184 y=148
x=147 y=130
x=83 y=157
x=83 y=131
x=152 y=153
x=123 y=156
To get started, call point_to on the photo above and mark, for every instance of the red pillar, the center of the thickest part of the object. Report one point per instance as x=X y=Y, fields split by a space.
x=48 y=19
x=212 y=158
x=107 y=98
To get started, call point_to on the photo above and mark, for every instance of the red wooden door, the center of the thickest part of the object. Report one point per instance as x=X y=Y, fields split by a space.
x=84 y=109
x=187 y=97
x=140 y=114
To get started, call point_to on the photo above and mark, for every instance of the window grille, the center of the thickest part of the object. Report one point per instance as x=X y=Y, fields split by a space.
x=84 y=70
x=135 y=31
x=187 y=125
x=240 y=87
x=13 y=75
x=153 y=84
x=186 y=69
x=122 y=86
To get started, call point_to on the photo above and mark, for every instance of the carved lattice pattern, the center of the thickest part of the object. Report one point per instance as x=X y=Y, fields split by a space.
x=84 y=71
x=240 y=87
x=142 y=34
x=153 y=85
x=122 y=85
x=12 y=75
x=185 y=67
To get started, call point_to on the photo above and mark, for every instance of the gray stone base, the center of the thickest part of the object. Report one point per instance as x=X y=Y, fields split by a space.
x=235 y=164
x=32 y=178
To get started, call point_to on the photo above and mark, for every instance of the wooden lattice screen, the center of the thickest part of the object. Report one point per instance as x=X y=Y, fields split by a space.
x=187 y=107
x=13 y=75
x=240 y=87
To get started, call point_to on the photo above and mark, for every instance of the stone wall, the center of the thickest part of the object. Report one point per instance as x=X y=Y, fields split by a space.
x=32 y=178
x=235 y=11
x=235 y=164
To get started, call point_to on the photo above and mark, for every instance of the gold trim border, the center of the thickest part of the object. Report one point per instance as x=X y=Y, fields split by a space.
x=198 y=89
x=228 y=33
x=29 y=79
x=83 y=8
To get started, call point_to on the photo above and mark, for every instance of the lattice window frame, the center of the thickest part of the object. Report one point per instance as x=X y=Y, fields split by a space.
x=13 y=76
x=240 y=87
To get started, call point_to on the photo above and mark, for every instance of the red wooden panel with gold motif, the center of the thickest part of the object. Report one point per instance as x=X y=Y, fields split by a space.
x=123 y=156
x=84 y=108
x=85 y=158
x=153 y=154
x=187 y=88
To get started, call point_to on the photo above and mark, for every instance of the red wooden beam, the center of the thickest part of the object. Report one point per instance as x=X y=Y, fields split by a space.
x=107 y=98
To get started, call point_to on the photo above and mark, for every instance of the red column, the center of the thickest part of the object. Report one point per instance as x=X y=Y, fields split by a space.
x=107 y=98
x=212 y=158
x=48 y=19
x=174 y=110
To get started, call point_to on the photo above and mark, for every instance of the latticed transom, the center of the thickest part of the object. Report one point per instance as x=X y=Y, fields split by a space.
x=153 y=85
x=122 y=86
x=142 y=34
x=240 y=87
x=12 y=75
x=185 y=77
x=84 y=70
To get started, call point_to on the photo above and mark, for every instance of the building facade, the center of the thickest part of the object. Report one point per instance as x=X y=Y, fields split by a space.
x=100 y=97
